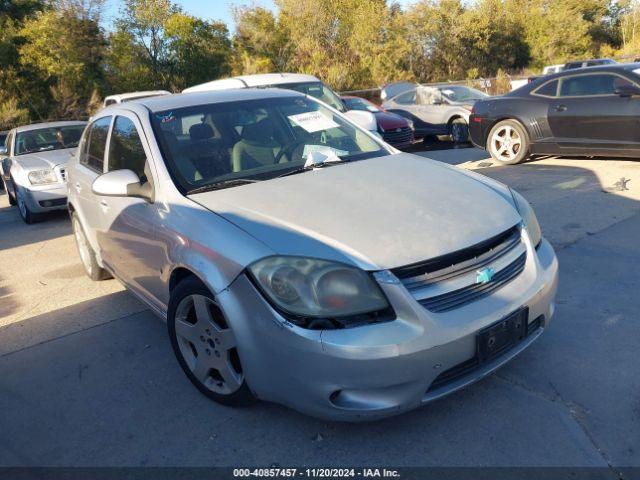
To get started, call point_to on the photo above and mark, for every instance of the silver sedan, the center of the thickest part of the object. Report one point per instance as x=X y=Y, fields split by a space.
x=33 y=167
x=298 y=259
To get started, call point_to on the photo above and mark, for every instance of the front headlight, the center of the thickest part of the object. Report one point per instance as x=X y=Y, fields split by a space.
x=318 y=293
x=42 y=177
x=528 y=217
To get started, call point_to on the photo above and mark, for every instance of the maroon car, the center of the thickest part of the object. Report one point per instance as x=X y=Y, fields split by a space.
x=394 y=129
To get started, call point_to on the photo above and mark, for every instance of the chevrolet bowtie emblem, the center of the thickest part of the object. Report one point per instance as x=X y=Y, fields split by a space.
x=485 y=275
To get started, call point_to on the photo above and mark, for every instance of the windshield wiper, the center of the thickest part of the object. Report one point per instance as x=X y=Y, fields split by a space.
x=220 y=185
x=315 y=160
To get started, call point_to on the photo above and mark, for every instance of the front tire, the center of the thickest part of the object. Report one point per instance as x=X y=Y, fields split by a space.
x=12 y=200
x=459 y=131
x=205 y=345
x=508 y=142
x=27 y=215
x=87 y=256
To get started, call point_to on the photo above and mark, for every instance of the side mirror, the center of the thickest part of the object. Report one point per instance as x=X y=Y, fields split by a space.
x=122 y=183
x=366 y=120
x=3 y=151
x=627 y=90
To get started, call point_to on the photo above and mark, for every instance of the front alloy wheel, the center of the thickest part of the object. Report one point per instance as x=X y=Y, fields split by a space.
x=205 y=345
x=507 y=142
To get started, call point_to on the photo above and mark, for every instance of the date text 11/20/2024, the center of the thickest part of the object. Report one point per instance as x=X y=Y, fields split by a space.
x=316 y=472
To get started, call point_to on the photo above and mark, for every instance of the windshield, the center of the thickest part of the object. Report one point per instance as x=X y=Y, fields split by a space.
x=317 y=90
x=53 y=138
x=458 y=93
x=356 y=103
x=253 y=140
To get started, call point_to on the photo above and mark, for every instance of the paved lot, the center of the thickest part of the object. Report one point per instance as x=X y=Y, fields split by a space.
x=87 y=376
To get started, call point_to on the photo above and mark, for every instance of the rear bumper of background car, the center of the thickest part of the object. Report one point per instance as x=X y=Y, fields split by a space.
x=382 y=369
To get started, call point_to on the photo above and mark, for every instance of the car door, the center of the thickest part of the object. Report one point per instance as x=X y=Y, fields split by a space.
x=432 y=107
x=588 y=113
x=128 y=233
x=89 y=166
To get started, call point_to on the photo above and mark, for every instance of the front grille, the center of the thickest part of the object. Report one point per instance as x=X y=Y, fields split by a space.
x=398 y=136
x=469 y=366
x=462 y=296
x=450 y=281
x=494 y=246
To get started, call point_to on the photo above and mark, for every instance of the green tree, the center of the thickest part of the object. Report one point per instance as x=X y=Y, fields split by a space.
x=199 y=50
x=65 y=47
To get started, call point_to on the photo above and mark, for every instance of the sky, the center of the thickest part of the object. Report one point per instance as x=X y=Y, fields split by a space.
x=207 y=9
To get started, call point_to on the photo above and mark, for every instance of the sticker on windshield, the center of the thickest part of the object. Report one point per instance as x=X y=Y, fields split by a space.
x=313 y=121
x=322 y=149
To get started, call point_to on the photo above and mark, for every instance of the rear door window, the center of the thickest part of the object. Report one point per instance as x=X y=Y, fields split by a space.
x=93 y=158
x=549 y=89
x=589 y=85
x=126 y=150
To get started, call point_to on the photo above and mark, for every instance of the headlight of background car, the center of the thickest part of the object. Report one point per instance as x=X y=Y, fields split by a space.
x=319 y=293
x=528 y=217
x=42 y=177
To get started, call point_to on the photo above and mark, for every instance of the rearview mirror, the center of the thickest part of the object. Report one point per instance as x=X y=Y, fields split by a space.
x=122 y=183
x=627 y=90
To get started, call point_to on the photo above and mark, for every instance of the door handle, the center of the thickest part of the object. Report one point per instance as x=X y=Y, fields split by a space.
x=104 y=204
x=78 y=186
x=560 y=108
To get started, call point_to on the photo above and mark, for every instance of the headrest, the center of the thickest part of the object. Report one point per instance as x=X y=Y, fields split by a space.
x=201 y=131
x=259 y=132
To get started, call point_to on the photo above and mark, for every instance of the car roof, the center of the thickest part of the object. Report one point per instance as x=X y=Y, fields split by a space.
x=182 y=100
x=131 y=95
x=249 y=81
x=38 y=126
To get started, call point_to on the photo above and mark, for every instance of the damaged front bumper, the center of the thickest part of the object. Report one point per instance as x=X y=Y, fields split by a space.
x=383 y=369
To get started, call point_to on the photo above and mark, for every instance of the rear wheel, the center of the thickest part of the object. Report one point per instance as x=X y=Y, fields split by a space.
x=508 y=142
x=205 y=345
x=87 y=255
x=459 y=131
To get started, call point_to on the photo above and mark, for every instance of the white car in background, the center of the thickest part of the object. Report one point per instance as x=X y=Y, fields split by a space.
x=34 y=166
x=437 y=109
x=307 y=84
x=128 y=97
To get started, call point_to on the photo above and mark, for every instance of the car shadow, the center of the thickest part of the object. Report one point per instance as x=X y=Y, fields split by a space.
x=15 y=233
x=110 y=393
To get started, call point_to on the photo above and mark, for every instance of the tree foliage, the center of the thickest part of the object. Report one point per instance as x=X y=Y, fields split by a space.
x=58 y=60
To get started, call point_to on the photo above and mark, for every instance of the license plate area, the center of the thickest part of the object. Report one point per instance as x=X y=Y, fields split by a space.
x=496 y=339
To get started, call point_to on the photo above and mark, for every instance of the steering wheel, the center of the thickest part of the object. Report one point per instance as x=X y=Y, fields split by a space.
x=288 y=148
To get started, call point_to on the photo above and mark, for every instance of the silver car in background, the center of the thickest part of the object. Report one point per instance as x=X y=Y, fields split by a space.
x=300 y=260
x=437 y=109
x=33 y=166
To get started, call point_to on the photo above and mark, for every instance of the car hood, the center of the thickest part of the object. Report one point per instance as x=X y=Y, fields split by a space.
x=45 y=159
x=379 y=213
x=389 y=121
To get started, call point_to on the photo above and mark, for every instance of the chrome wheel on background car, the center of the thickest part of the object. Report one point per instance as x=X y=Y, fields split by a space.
x=507 y=142
x=205 y=344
